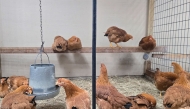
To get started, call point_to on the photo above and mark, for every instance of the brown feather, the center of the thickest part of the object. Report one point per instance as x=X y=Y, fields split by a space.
x=163 y=80
x=106 y=91
x=178 y=69
x=117 y=35
x=75 y=96
x=147 y=43
x=143 y=101
x=74 y=43
x=59 y=44
x=178 y=95
x=16 y=81
x=17 y=96
x=4 y=90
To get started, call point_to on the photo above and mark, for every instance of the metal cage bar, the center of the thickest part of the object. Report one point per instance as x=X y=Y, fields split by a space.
x=171 y=29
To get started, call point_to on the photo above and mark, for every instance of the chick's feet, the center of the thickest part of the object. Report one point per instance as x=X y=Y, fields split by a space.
x=111 y=45
x=118 y=45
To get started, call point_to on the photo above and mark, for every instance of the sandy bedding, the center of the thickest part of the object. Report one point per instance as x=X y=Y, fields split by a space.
x=127 y=85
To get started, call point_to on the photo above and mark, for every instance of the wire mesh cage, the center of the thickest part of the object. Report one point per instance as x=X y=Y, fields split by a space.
x=171 y=26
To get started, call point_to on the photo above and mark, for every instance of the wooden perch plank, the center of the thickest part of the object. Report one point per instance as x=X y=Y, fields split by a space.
x=83 y=50
x=150 y=73
x=181 y=56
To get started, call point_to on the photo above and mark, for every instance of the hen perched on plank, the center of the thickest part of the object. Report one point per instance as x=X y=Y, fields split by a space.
x=74 y=43
x=60 y=44
x=147 y=43
x=107 y=96
x=178 y=95
x=163 y=80
x=76 y=98
x=117 y=35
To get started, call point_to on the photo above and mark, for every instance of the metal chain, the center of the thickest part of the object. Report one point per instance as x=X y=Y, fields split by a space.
x=41 y=31
x=41 y=21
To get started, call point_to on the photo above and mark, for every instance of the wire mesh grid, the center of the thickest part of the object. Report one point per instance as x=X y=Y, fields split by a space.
x=171 y=28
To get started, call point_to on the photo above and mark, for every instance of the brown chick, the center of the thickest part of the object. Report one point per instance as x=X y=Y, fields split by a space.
x=24 y=89
x=74 y=43
x=108 y=94
x=178 y=69
x=23 y=105
x=19 y=101
x=178 y=95
x=60 y=44
x=142 y=101
x=76 y=98
x=16 y=81
x=17 y=96
x=117 y=35
x=147 y=43
x=4 y=90
x=163 y=80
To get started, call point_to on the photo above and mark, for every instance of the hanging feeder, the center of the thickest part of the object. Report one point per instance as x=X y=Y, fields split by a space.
x=42 y=76
x=42 y=80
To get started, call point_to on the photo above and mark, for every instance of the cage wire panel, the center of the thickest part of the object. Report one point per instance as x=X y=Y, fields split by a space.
x=171 y=28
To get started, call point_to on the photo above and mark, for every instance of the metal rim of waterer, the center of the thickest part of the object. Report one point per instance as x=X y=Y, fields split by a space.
x=47 y=95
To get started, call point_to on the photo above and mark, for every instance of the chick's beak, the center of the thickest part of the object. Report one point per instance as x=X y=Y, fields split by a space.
x=57 y=83
x=102 y=64
x=30 y=92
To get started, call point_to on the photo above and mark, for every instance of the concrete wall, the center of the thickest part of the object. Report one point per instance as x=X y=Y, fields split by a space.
x=20 y=27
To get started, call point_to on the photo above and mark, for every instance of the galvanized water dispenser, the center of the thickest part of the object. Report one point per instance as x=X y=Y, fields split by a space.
x=42 y=79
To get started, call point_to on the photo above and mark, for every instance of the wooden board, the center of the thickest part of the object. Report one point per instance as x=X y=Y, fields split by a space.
x=83 y=50
x=150 y=73
x=181 y=56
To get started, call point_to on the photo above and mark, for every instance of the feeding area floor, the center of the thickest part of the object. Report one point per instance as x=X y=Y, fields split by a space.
x=127 y=85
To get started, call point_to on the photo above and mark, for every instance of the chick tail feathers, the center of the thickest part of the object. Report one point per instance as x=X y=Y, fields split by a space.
x=33 y=101
x=105 y=34
x=128 y=105
x=74 y=108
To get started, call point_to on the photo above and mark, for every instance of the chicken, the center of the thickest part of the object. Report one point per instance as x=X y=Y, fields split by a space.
x=107 y=94
x=25 y=105
x=16 y=81
x=60 y=44
x=76 y=98
x=18 y=96
x=178 y=69
x=4 y=90
x=19 y=101
x=178 y=95
x=117 y=35
x=74 y=43
x=23 y=89
x=147 y=43
x=163 y=80
x=142 y=101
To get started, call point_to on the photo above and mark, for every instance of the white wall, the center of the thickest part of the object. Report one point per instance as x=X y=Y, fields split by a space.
x=20 y=27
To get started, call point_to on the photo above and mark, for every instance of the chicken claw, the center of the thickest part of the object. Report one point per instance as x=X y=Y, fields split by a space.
x=160 y=94
x=118 y=45
x=111 y=45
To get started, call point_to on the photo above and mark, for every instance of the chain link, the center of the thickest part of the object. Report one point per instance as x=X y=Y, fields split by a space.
x=41 y=31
